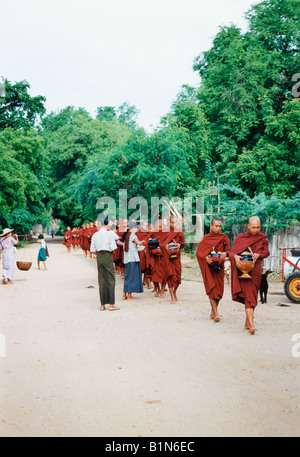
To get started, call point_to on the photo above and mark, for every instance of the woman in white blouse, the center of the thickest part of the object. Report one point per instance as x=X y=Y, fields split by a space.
x=133 y=276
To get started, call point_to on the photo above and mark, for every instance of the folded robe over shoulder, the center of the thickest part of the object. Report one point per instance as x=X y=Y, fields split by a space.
x=213 y=279
x=178 y=238
x=246 y=290
x=143 y=236
x=68 y=238
x=162 y=268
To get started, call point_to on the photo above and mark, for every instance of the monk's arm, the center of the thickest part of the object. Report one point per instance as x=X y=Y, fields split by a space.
x=226 y=248
x=263 y=252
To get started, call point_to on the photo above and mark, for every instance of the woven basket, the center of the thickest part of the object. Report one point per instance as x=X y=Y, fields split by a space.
x=24 y=265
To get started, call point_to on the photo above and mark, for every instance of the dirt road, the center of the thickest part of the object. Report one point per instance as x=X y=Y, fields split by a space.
x=150 y=369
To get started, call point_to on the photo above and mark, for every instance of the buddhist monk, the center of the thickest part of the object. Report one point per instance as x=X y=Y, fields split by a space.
x=89 y=234
x=213 y=275
x=68 y=239
x=176 y=238
x=80 y=240
x=94 y=229
x=84 y=239
x=163 y=269
x=74 y=236
x=119 y=256
x=143 y=235
x=246 y=290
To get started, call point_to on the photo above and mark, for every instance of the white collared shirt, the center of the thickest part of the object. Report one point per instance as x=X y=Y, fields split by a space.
x=103 y=240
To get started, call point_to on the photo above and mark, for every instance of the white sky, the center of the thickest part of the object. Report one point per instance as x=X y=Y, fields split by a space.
x=94 y=53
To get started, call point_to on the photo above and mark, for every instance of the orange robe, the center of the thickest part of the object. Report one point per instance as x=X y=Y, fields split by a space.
x=68 y=238
x=246 y=290
x=162 y=267
x=179 y=238
x=213 y=279
x=143 y=236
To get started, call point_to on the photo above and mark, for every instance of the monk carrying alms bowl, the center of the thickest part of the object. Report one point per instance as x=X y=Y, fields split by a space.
x=216 y=259
x=247 y=264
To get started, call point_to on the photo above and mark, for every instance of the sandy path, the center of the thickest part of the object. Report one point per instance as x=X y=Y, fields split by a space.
x=150 y=369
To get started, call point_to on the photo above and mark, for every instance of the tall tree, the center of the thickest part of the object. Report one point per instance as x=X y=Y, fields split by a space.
x=18 y=109
x=245 y=84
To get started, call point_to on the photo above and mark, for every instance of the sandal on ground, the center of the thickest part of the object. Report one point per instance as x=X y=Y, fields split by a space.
x=113 y=308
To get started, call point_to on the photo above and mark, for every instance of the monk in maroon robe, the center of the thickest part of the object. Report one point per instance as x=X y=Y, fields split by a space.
x=213 y=276
x=93 y=230
x=81 y=232
x=68 y=239
x=144 y=235
x=177 y=238
x=74 y=236
x=163 y=269
x=246 y=290
x=119 y=256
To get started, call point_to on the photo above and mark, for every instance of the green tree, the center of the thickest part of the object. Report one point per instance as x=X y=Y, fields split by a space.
x=146 y=165
x=245 y=84
x=186 y=114
x=272 y=166
x=23 y=178
x=17 y=108
x=74 y=142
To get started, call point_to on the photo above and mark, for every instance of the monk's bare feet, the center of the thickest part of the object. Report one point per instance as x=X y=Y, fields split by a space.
x=124 y=296
x=102 y=308
x=252 y=330
x=130 y=297
x=247 y=325
x=157 y=294
x=217 y=318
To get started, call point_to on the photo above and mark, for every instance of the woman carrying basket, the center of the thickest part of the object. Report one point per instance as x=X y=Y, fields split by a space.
x=7 y=241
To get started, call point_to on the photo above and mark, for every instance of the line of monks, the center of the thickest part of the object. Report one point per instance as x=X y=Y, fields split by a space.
x=163 y=267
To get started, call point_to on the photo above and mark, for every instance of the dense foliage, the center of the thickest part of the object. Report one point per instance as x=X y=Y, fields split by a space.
x=234 y=139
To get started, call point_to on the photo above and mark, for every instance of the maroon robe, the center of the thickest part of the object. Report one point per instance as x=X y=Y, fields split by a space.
x=68 y=238
x=246 y=290
x=179 y=238
x=81 y=234
x=162 y=267
x=85 y=245
x=143 y=236
x=213 y=279
x=74 y=237
x=118 y=256
x=176 y=237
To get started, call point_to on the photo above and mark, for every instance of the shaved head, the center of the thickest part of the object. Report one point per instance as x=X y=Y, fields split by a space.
x=216 y=225
x=254 y=225
x=254 y=220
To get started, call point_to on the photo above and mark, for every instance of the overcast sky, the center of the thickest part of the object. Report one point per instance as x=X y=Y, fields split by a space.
x=104 y=52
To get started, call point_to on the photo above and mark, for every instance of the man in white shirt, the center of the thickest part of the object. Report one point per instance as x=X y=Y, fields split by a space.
x=103 y=243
